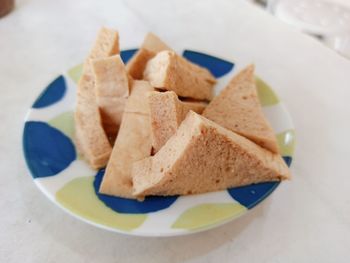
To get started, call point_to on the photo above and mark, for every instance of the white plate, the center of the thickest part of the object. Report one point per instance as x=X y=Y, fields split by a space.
x=66 y=179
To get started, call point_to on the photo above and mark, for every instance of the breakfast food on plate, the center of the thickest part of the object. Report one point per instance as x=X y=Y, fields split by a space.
x=169 y=71
x=133 y=143
x=203 y=157
x=238 y=109
x=167 y=112
x=137 y=63
x=163 y=145
x=154 y=44
x=112 y=90
x=91 y=139
x=149 y=48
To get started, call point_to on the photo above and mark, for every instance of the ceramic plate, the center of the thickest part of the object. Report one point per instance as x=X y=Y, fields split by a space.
x=63 y=176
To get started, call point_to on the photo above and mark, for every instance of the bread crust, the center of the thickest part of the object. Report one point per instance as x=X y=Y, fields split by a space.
x=91 y=138
x=167 y=112
x=133 y=143
x=169 y=71
x=204 y=157
x=238 y=109
x=151 y=45
x=112 y=90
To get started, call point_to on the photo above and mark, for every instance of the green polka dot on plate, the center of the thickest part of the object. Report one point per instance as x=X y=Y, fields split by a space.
x=266 y=95
x=78 y=196
x=208 y=214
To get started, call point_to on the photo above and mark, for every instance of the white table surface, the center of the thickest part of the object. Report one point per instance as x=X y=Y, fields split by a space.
x=305 y=220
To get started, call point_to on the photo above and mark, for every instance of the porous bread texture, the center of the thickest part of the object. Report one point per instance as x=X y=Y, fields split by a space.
x=133 y=143
x=153 y=43
x=202 y=157
x=238 y=109
x=112 y=90
x=167 y=112
x=149 y=48
x=137 y=63
x=106 y=44
x=169 y=71
x=91 y=139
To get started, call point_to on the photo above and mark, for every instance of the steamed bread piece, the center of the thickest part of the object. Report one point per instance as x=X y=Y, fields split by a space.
x=112 y=90
x=169 y=71
x=167 y=112
x=238 y=109
x=204 y=157
x=153 y=43
x=91 y=139
x=138 y=62
x=149 y=48
x=133 y=143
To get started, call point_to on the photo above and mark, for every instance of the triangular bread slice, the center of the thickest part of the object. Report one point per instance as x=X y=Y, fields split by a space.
x=153 y=43
x=167 y=113
x=91 y=139
x=169 y=71
x=137 y=63
x=204 y=157
x=150 y=47
x=112 y=90
x=133 y=143
x=238 y=109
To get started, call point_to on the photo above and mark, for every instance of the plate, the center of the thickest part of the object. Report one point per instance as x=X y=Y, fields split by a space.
x=64 y=177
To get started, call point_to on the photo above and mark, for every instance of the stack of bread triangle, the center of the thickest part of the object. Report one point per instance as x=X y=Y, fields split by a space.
x=92 y=141
x=159 y=129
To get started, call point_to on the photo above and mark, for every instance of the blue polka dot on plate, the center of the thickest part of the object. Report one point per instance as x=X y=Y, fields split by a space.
x=251 y=195
x=126 y=55
x=217 y=66
x=47 y=150
x=52 y=94
x=131 y=206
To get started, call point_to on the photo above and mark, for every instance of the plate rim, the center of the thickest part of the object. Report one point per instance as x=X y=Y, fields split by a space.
x=134 y=232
